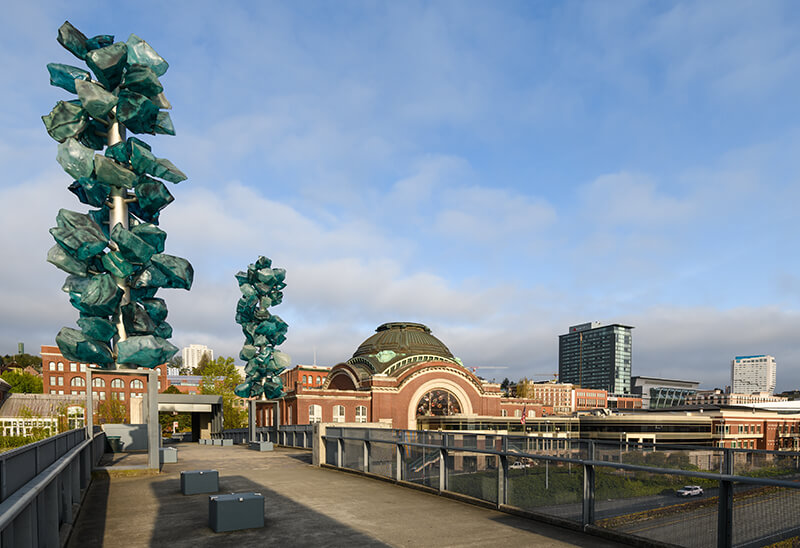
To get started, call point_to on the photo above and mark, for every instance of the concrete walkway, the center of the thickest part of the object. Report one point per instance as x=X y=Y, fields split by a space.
x=305 y=506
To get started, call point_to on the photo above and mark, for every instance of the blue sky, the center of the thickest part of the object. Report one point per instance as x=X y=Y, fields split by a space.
x=498 y=171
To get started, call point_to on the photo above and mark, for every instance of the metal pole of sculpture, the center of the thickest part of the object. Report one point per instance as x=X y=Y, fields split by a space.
x=114 y=254
x=261 y=287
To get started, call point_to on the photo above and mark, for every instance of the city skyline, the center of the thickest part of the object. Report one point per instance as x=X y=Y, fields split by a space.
x=556 y=164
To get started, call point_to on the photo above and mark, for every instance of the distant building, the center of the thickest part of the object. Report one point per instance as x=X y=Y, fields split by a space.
x=597 y=356
x=23 y=414
x=566 y=398
x=307 y=376
x=193 y=353
x=753 y=374
x=720 y=397
x=186 y=384
x=657 y=393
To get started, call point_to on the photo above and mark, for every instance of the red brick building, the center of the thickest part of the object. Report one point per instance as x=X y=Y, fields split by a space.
x=64 y=377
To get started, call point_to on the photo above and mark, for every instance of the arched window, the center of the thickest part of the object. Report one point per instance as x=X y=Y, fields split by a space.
x=314 y=413
x=61 y=366
x=517 y=413
x=98 y=382
x=137 y=384
x=438 y=403
x=319 y=379
x=77 y=381
x=117 y=383
x=338 y=413
x=361 y=413
x=52 y=366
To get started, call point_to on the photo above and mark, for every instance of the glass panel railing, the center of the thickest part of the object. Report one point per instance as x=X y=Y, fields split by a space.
x=472 y=474
x=353 y=455
x=382 y=459
x=421 y=465
x=765 y=515
x=549 y=487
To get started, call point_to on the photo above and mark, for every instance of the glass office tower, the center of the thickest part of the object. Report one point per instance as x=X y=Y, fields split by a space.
x=593 y=355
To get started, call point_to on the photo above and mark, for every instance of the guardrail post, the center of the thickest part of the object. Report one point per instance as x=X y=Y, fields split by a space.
x=725 y=510
x=588 y=488
x=502 y=475
x=398 y=462
x=443 y=464
x=366 y=455
x=339 y=452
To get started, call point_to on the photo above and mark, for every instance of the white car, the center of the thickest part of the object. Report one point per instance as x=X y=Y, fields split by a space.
x=690 y=491
x=517 y=465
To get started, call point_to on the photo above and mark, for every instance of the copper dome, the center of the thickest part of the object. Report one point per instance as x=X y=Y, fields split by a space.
x=396 y=342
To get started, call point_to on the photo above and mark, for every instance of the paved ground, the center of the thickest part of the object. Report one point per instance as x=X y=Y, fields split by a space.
x=305 y=506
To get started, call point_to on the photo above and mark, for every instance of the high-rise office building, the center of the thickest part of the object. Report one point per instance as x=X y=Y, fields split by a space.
x=193 y=353
x=753 y=374
x=598 y=356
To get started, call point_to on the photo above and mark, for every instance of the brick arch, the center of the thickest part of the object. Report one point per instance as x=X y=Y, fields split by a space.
x=443 y=381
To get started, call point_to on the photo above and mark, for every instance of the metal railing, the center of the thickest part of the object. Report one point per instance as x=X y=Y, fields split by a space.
x=746 y=497
x=292 y=435
x=42 y=485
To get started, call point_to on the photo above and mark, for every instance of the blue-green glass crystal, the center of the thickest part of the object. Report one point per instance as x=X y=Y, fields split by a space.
x=137 y=112
x=108 y=64
x=65 y=120
x=58 y=256
x=99 y=41
x=149 y=277
x=161 y=101
x=75 y=284
x=152 y=195
x=140 y=53
x=118 y=152
x=248 y=352
x=101 y=297
x=136 y=319
x=116 y=264
x=112 y=173
x=142 y=79
x=78 y=234
x=156 y=308
x=166 y=170
x=178 y=271
x=163 y=330
x=164 y=124
x=145 y=351
x=151 y=234
x=100 y=218
x=90 y=191
x=95 y=99
x=76 y=159
x=243 y=390
x=72 y=39
x=76 y=346
x=93 y=135
x=96 y=328
x=132 y=247
x=142 y=160
x=64 y=76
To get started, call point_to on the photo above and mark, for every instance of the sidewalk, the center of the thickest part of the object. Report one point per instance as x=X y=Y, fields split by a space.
x=305 y=506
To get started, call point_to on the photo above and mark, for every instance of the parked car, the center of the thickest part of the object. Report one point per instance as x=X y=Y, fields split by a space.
x=690 y=491
x=519 y=465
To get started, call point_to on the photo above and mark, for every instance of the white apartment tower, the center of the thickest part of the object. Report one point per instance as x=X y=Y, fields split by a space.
x=753 y=374
x=193 y=353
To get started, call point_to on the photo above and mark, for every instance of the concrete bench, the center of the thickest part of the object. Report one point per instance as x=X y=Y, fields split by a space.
x=235 y=511
x=199 y=481
x=261 y=446
x=168 y=455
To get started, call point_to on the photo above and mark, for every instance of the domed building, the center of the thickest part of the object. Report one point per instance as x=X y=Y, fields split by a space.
x=401 y=375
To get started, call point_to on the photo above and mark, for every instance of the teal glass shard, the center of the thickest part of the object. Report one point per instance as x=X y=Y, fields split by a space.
x=137 y=294
x=142 y=79
x=100 y=218
x=145 y=351
x=65 y=120
x=142 y=160
x=131 y=246
x=78 y=234
x=108 y=64
x=178 y=271
x=152 y=235
x=273 y=389
x=93 y=135
x=161 y=101
x=118 y=152
x=164 y=124
x=152 y=195
x=136 y=141
x=149 y=277
x=248 y=352
x=90 y=191
x=137 y=112
x=156 y=308
x=243 y=390
x=75 y=284
x=101 y=296
x=76 y=346
x=282 y=359
x=95 y=99
x=73 y=40
x=136 y=319
x=112 y=173
x=76 y=159
x=96 y=328
x=99 y=41
x=163 y=330
x=262 y=262
x=166 y=170
x=58 y=256
x=140 y=53
x=116 y=264
x=64 y=76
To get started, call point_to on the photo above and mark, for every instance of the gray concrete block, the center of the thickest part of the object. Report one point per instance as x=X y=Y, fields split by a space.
x=168 y=454
x=199 y=481
x=216 y=442
x=235 y=511
x=227 y=442
x=261 y=446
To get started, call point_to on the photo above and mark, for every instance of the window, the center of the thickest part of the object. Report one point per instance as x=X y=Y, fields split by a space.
x=60 y=381
x=117 y=383
x=61 y=366
x=314 y=413
x=122 y=396
x=361 y=413
x=503 y=413
x=137 y=384
x=77 y=381
x=60 y=392
x=319 y=379
x=102 y=395
x=52 y=366
x=517 y=413
x=530 y=414
x=83 y=368
x=338 y=413
x=98 y=383
x=73 y=366
x=52 y=391
x=438 y=403
x=289 y=415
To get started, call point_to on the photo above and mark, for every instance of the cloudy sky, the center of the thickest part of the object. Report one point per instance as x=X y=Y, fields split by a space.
x=497 y=171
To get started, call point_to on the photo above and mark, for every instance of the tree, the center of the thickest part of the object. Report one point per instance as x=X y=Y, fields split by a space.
x=171 y=389
x=220 y=377
x=504 y=385
x=22 y=383
x=112 y=411
x=524 y=388
x=23 y=361
x=203 y=363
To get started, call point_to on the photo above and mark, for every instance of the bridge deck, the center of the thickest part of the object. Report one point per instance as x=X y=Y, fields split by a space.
x=305 y=506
